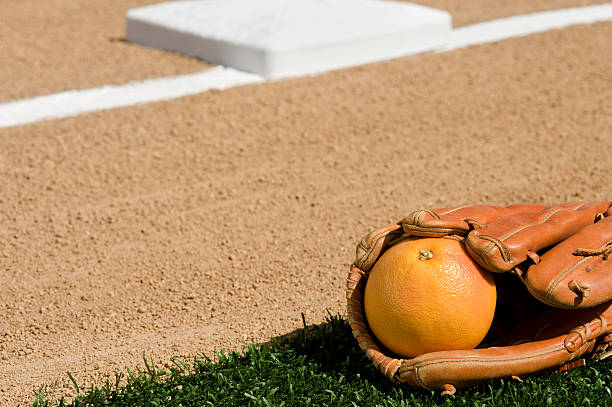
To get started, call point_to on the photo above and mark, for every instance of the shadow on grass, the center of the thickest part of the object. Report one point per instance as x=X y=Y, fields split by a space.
x=332 y=348
x=319 y=366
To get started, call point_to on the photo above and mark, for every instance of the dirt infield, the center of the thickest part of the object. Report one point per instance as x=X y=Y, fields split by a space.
x=214 y=220
x=55 y=45
x=475 y=11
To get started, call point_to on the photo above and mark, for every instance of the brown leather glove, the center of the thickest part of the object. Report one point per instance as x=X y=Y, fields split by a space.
x=560 y=253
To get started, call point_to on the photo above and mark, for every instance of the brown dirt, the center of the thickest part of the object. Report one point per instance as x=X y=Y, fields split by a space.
x=55 y=45
x=214 y=220
x=475 y=11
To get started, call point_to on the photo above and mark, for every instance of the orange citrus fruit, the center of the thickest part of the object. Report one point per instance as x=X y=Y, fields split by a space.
x=425 y=295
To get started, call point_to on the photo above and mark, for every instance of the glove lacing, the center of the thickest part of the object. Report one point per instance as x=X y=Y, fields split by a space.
x=604 y=251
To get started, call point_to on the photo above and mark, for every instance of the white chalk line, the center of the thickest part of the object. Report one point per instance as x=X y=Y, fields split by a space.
x=76 y=102
x=518 y=26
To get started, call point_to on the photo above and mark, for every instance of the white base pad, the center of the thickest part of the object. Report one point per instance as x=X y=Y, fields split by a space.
x=282 y=38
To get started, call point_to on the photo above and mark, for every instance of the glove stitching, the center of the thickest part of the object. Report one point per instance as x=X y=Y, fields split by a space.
x=588 y=334
x=583 y=337
x=419 y=379
x=475 y=252
x=506 y=255
x=604 y=324
x=430 y=212
x=472 y=223
x=370 y=250
x=358 y=263
x=604 y=251
x=503 y=249
x=579 y=289
x=496 y=360
x=455 y=209
x=546 y=219
x=416 y=217
x=553 y=285
x=434 y=230
x=580 y=206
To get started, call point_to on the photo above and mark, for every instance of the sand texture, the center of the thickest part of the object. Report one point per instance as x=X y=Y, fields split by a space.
x=476 y=11
x=211 y=221
x=56 y=45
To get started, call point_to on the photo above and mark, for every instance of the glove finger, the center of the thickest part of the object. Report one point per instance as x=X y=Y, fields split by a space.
x=502 y=245
x=458 y=220
x=570 y=278
x=372 y=244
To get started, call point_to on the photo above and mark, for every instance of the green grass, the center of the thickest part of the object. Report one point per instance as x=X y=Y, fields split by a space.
x=322 y=366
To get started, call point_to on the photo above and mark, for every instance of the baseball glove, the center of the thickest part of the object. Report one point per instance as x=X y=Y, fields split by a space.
x=557 y=317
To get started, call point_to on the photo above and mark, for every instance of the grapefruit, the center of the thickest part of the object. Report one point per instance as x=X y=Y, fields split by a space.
x=428 y=294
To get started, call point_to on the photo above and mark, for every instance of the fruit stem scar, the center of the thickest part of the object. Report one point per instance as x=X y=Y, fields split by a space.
x=425 y=255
